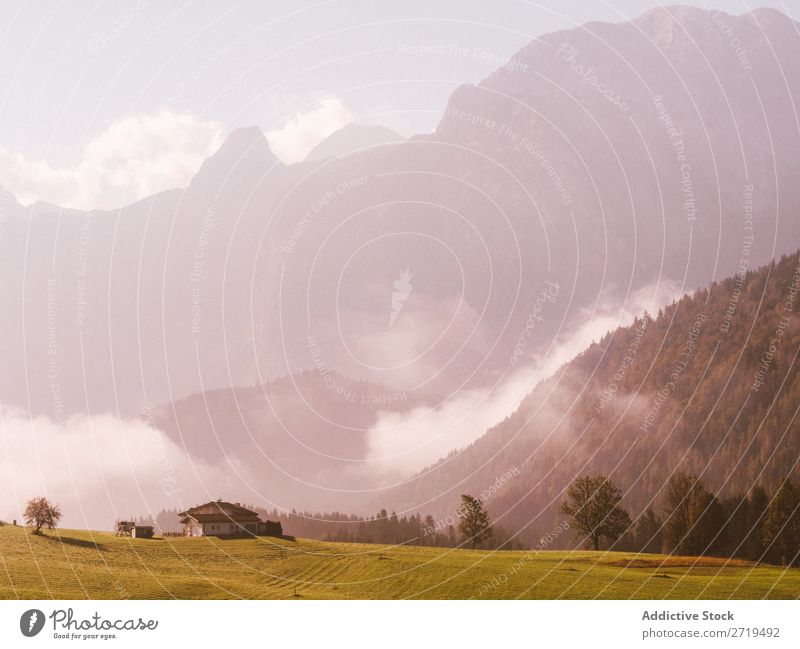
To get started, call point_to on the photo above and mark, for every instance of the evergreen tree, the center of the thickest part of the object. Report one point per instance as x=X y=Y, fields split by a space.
x=648 y=536
x=473 y=523
x=677 y=508
x=782 y=525
x=452 y=539
x=429 y=535
x=706 y=531
x=757 y=505
x=694 y=518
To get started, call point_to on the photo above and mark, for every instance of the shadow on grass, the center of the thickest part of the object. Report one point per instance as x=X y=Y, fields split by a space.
x=68 y=540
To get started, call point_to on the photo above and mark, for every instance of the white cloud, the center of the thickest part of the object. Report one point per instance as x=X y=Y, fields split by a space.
x=610 y=313
x=401 y=444
x=134 y=157
x=101 y=468
x=304 y=130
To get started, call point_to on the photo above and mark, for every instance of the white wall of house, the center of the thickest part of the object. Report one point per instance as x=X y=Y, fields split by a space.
x=193 y=529
x=213 y=529
x=218 y=529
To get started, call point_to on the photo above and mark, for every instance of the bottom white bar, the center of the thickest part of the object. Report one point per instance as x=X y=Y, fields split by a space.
x=332 y=624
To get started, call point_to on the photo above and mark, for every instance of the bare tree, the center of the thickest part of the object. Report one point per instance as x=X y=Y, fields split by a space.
x=39 y=513
x=594 y=508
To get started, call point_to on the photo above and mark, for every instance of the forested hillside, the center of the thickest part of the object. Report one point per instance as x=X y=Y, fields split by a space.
x=709 y=386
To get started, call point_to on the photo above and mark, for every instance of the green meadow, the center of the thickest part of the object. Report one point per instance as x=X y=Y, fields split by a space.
x=70 y=564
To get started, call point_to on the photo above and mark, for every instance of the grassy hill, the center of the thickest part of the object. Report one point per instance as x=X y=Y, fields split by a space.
x=79 y=564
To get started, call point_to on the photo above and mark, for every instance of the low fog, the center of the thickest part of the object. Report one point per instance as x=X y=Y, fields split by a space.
x=403 y=443
x=100 y=469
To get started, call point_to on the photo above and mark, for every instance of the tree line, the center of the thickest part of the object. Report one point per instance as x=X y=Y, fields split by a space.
x=387 y=527
x=468 y=526
x=691 y=520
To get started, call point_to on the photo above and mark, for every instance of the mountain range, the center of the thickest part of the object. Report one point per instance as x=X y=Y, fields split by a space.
x=602 y=168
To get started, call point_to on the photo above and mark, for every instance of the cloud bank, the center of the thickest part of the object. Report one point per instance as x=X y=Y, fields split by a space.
x=135 y=157
x=401 y=444
x=304 y=130
x=100 y=469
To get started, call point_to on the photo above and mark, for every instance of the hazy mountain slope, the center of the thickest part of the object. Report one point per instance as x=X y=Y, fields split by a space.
x=303 y=437
x=711 y=386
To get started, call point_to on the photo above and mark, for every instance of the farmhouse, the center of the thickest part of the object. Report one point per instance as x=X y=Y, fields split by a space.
x=220 y=518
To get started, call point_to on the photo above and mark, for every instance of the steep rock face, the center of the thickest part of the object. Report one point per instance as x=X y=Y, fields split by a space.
x=650 y=132
x=560 y=167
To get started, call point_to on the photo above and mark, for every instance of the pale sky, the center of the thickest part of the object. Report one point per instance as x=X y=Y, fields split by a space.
x=98 y=91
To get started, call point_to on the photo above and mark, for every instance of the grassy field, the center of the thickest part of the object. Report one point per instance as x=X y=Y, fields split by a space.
x=79 y=564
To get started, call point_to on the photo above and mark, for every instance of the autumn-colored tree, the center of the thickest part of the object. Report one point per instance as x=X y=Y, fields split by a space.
x=39 y=513
x=593 y=505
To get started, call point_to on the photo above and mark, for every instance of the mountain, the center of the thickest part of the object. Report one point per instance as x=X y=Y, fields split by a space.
x=244 y=157
x=304 y=437
x=709 y=385
x=351 y=139
x=609 y=160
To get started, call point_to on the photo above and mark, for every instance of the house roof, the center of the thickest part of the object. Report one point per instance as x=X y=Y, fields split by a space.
x=219 y=511
x=211 y=518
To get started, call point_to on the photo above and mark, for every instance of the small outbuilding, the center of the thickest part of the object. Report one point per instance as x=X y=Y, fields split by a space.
x=142 y=532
